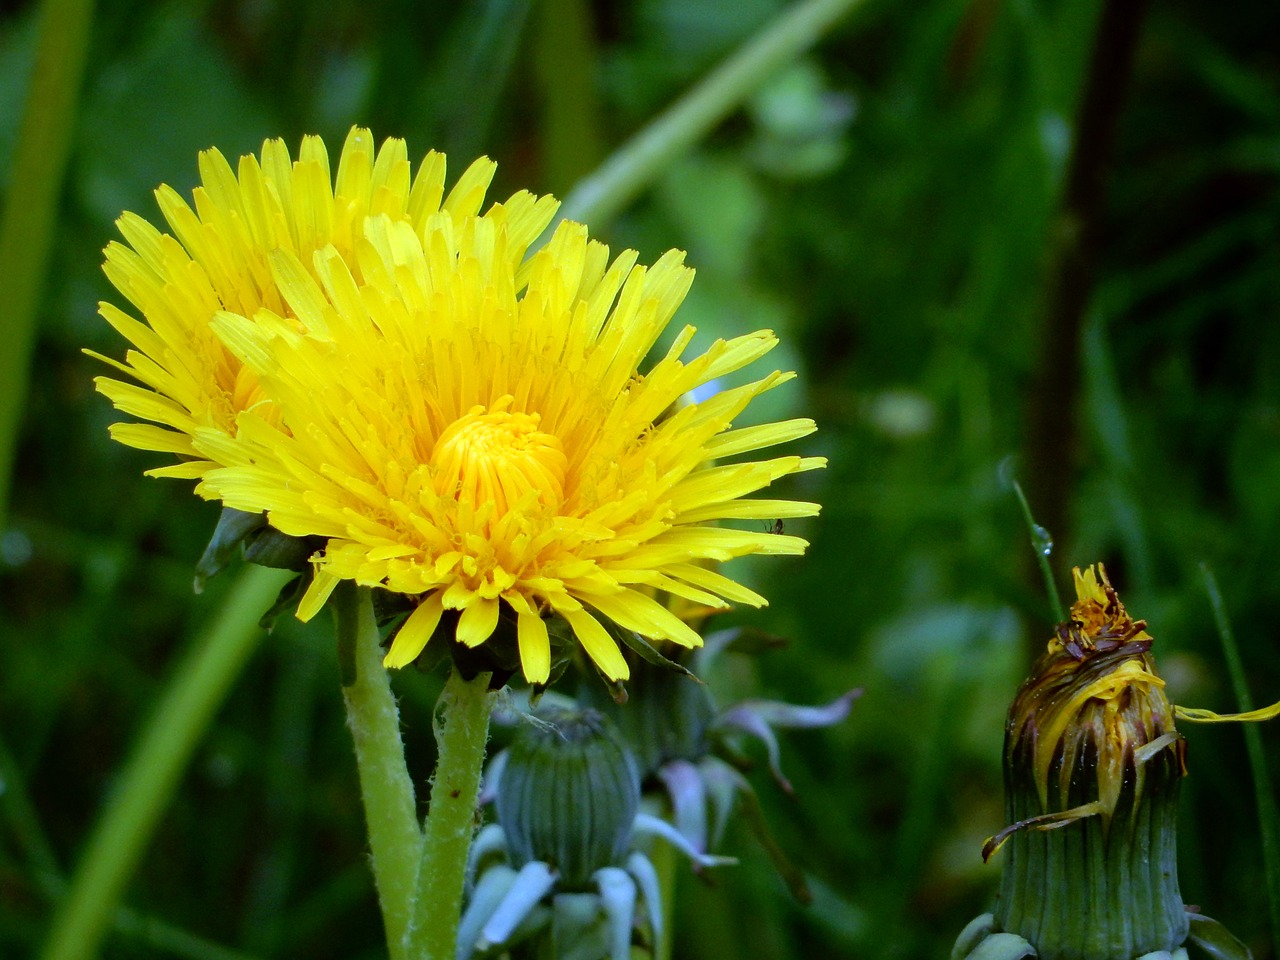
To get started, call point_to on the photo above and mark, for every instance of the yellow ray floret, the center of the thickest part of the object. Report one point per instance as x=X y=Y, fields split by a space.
x=473 y=429
x=220 y=254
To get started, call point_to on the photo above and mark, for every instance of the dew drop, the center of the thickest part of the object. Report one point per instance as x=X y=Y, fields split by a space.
x=1042 y=539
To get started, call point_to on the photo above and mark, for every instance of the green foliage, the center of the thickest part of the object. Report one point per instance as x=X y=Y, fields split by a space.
x=890 y=206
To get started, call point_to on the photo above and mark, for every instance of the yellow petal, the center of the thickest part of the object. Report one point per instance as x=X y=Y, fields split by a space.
x=317 y=594
x=597 y=643
x=413 y=635
x=535 y=647
x=478 y=621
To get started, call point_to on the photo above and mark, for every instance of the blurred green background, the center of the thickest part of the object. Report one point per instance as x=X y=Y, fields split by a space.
x=895 y=206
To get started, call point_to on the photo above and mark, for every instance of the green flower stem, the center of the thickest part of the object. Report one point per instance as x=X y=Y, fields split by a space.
x=634 y=165
x=43 y=145
x=390 y=808
x=462 y=729
x=159 y=758
x=1264 y=792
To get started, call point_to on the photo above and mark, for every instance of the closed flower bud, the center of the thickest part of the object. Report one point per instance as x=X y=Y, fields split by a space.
x=1092 y=766
x=568 y=796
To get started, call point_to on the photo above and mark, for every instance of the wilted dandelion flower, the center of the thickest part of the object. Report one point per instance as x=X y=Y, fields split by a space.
x=473 y=430
x=1093 y=763
x=219 y=257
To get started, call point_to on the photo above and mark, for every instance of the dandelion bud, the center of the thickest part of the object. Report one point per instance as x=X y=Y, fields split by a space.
x=568 y=796
x=1092 y=767
x=668 y=715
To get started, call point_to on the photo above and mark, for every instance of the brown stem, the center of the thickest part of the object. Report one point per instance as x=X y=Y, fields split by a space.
x=1076 y=239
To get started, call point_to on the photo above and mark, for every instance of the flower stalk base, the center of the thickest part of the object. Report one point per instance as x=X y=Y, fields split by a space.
x=1093 y=889
x=395 y=842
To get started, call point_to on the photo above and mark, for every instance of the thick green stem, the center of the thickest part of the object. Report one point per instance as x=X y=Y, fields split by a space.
x=390 y=808
x=641 y=159
x=462 y=729
x=147 y=783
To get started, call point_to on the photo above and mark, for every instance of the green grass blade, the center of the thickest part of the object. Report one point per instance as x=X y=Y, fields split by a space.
x=633 y=166
x=159 y=758
x=24 y=822
x=1264 y=791
x=31 y=206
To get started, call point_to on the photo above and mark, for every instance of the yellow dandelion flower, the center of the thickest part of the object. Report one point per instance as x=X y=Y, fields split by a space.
x=218 y=257
x=473 y=430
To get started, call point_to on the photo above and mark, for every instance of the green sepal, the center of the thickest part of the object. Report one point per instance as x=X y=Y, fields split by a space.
x=250 y=535
x=268 y=547
x=390 y=610
x=432 y=655
x=232 y=528
x=745 y=640
x=980 y=940
x=753 y=642
x=646 y=651
x=343 y=604
x=977 y=930
x=753 y=814
x=1002 y=946
x=578 y=930
x=668 y=718
x=498 y=656
x=389 y=606
x=287 y=599
x=1215 y=939
x=564 y=645
x=558 y=667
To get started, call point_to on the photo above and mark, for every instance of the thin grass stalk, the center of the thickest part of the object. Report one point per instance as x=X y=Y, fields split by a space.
x=1263 y=789
x=24 y=821
x=160 y=756
x=1042 y=544
x=31 y=206
x=637 y=163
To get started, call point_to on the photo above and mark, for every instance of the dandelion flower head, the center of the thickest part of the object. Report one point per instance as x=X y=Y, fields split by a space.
x=478 y=429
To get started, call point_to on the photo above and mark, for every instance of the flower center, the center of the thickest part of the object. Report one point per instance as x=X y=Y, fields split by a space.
x=498 y=456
